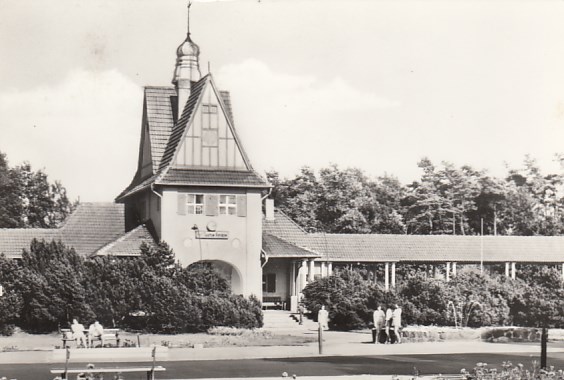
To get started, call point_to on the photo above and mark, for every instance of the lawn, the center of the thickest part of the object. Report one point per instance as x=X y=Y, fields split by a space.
x=220 y=337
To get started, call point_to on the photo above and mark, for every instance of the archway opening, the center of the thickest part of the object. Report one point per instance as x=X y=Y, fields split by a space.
x=230 y=273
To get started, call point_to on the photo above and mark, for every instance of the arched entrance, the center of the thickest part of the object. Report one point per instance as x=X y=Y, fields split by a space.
x=231 y=273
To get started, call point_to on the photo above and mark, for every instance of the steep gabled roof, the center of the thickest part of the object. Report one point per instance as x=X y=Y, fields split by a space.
x=166 y=138
x=228 y=111
x=179 y=129
x=160 y=107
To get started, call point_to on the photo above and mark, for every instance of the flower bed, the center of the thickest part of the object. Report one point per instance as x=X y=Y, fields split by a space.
x=512 y=372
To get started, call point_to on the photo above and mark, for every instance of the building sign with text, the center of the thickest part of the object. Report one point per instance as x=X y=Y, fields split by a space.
x=213 y=235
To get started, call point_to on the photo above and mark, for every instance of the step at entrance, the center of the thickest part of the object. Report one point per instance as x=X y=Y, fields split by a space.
x=285 y=320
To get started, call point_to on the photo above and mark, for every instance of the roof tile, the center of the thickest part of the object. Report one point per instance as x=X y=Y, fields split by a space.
x=87 y=229
x=127 y=244
x=417 y=248
x=228 y=178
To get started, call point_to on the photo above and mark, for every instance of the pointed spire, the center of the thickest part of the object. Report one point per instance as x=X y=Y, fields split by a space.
x=188 y=23
x=187 y=69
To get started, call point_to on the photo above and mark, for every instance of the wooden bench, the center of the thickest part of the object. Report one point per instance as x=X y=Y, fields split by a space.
x=67 y=336
x=149 y=370
x=274 y=302
x=109 y=334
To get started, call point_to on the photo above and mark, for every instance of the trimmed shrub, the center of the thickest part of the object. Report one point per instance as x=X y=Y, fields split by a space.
x=345 y=296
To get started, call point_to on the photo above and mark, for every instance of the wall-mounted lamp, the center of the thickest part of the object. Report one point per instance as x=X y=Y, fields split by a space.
x=196 y=230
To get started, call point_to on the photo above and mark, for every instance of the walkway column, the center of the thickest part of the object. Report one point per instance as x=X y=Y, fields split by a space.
x=375 y=269
x=447 y=274
x=293 y=278
x=562 y=272
x=513 y=270
x=302 y=273
x=393 y=275
x=507 y=269
x=323 y=270
x=454 y=269
x=329 y=268
x=310 y=271
x=387 y=276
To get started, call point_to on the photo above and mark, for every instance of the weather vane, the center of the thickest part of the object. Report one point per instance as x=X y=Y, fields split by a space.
x=188 y=24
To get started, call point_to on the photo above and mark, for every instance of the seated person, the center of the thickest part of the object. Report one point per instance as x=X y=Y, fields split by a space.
x=96 y=331
x=77 y=330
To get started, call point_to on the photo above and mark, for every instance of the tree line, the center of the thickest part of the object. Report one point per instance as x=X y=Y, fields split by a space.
x=29 y=200
x=445 y=200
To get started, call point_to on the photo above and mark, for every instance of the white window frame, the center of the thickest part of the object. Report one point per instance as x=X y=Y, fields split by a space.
x=228 y=204
x=194 y=207
x=209 y=108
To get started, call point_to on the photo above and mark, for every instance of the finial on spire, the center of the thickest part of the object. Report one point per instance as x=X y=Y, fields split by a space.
x=188 y=24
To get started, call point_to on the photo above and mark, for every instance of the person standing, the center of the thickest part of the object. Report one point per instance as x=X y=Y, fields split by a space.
x=379 y=322
x=301 y=310
x=389 y=316
x=323 y=318
x=396 y=320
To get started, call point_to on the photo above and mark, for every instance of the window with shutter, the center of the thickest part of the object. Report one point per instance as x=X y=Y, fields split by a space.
x=227 y=205
x=181 y=204
x=195 y=204
x=241 y=205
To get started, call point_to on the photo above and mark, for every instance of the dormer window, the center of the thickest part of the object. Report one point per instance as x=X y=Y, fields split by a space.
x=195 y=204
x=209 y=108
x=227 y=205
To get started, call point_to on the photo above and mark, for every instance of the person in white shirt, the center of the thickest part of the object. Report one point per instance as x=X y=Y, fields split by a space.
x=379 y=322
x=323 y=318
x=396 y=321
x=77 y=330
x=96 y=331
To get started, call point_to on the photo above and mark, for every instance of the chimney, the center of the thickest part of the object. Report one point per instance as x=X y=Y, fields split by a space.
x=269 y=206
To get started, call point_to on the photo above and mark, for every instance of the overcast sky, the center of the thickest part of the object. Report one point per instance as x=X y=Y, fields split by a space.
x=371 y=84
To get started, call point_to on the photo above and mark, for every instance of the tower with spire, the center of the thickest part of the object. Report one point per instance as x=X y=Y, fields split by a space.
x=195 y=187
x=187 y=69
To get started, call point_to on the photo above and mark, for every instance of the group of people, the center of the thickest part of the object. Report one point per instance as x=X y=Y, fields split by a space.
x=389 y=320
x=95 y=331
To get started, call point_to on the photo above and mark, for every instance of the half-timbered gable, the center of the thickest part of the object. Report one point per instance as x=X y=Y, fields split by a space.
x=210 y=141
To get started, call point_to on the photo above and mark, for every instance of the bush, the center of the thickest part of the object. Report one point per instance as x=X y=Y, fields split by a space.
x=51 y=285
x=345 y=296
x=148 y=293
x=424 y=301
x=469 y=299
x=7 y=329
